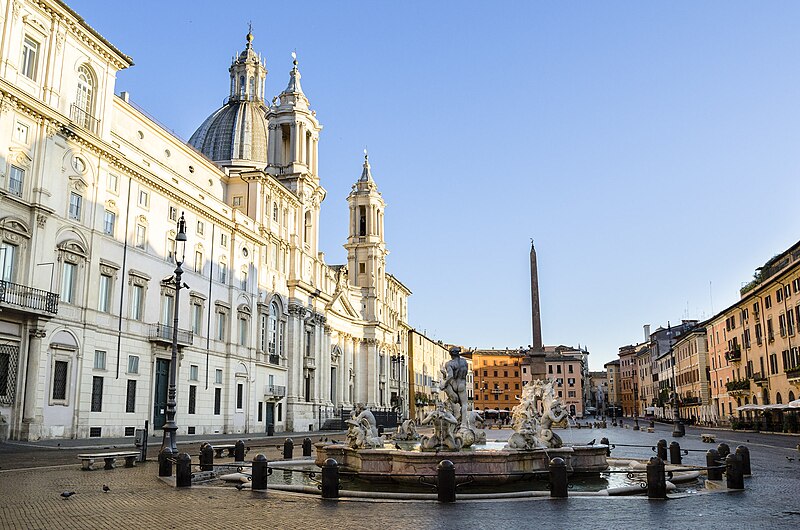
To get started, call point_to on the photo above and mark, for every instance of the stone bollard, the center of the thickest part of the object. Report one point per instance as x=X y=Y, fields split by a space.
x=206 y=457
x=675 y=453
x=744 y=452
x=330 y=479
x=724 y=450
x=446 y=481
x=165 y=463
x=307 y=447
x=656 y=481
x=661 y=450
x=260 y=473
x=238 y=451
x=288 y=448
x=558 y=478
x=712 y=460
x=183 y=471
x=733 y=472
x=678 y=430
x=620 y=422
x=604 y=441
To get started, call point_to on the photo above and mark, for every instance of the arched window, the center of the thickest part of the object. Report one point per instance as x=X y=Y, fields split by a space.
x=273 y=345
x=791 y=396
x=84 y=99
x=252 y=87
x=755 y=400
x=241 y=85
x=778 y=398
x=275 y=211
x=307 y=236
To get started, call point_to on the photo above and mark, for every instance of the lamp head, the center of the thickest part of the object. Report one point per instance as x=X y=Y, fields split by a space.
x=181 y=229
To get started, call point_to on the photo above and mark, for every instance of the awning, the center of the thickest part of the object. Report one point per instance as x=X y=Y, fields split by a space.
x=789 y=406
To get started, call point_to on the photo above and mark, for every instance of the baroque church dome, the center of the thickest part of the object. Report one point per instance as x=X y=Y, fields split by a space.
x=236 y=134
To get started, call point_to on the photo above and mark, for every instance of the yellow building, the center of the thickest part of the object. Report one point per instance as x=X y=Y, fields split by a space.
x=691 y=374
x=425 y=360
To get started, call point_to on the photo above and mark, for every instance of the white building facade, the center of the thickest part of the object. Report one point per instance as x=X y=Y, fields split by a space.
x=90 y=192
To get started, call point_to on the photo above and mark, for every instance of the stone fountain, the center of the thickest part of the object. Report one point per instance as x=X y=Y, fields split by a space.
x=455 y=437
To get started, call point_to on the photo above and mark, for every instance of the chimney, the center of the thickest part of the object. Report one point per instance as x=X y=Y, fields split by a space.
x=647 y=332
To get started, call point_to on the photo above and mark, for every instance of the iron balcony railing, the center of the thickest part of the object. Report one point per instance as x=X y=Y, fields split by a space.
x=274 y=391
x=26 y=297
x=83 y=118
x=735 y=355
x=163 y=333
x=273 y=358
x=793 y=373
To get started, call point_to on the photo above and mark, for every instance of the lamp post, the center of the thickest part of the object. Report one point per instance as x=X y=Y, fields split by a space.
x=169 y=447
x=635 y=407
x=678 y=428
x=398 y=365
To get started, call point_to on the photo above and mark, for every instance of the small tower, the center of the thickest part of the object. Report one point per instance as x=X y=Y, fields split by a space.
x=366 y=247
x=293 y=139
x=248 y=72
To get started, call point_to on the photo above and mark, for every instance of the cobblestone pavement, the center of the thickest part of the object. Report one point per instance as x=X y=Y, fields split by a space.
x=29 y=498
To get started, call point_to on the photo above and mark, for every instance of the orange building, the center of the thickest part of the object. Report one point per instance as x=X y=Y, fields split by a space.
x=497 y=378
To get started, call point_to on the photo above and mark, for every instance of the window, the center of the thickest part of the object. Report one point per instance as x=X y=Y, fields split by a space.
x=192 y=398
x=222 y=322
x=558 y=368
x=223 y=272
x=7 y=259
x=796 y=285
x=99 y=360
x=200 y=228
x=779 y=295
x=60 y=374
x=217 y=401
x=130 y=397
x=242 y=330
x=767 y=302
x=197 y=319
x=97 y=394
x=193 y=372
x=570 y=368
x=223 y=240
x=75 y=204
x=21 y=132
x=137 y=302
x=173 y=213
x=237 y=201
x=170 y=249
x=109 y=221
x=104 y=301
x=275 y=211
x=133 y=364
x=84 y=98
x=68 y=283
x=198 y=262
x=30 y=52
x=218 y=376
x=773 y=364
x=239 y=396
x=16 y=177
x=243 y=281
x=144 y=198
x=141 y=236
x=362 y=268
x=112 y=182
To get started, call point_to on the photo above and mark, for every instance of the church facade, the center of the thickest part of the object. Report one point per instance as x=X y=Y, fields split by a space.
x=91 y=190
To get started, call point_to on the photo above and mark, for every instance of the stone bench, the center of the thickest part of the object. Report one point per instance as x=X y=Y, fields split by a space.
x=221 y=448
x=109 y=458
x=707 y=438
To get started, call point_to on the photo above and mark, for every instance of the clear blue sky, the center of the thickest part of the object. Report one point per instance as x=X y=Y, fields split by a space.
x=651 y=149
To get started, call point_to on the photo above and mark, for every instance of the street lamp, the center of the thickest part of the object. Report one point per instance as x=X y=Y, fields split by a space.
x=678 y=428
x=635 y=407
x=398 y=365
x=169 y=448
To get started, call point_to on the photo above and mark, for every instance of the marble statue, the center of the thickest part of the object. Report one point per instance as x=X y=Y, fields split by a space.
x=534 y=416
x=407 y=432
x=444 y=430
x=454 y=386
x=362 y=430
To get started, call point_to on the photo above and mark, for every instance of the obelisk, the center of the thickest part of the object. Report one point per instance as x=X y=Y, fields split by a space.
x=536 y=352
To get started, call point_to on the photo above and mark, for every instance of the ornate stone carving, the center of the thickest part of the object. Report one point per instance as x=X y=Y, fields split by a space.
x=41 y=220
x=534 y=416
x=37 y=333
x=363 y=429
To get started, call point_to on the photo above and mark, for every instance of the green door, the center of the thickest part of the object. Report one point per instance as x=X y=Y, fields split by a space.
x=161 y=383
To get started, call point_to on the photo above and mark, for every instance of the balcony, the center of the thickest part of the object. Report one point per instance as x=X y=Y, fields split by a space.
x=83 y=119
x=738 y=387
x=691 y=400
x=274 y=392
x=162 y=334
x=309 y=362
x=734 y=356
x=274 y=358
x=793 y=375
x=497 y=391
x=28 y=299
x=759 y=379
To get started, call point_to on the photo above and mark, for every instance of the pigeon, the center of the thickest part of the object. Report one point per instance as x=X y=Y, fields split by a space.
x=592 y=442
x=106 y=489
x=397 y=446
x=67 y=494
x=239 y=486
x=790 y=459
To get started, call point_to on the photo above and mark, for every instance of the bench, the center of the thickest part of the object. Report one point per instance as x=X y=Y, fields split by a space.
x=109 y=458
x=707 y=438
x=221 y=448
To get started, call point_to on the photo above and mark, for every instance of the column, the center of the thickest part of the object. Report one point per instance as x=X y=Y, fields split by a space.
x=35 y=335
x=292 y=143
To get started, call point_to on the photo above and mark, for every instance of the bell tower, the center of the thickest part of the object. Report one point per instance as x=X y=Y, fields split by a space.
x=248 y=72
x=366 y=247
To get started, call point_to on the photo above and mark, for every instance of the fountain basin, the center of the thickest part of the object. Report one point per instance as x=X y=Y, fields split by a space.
x=486 y=466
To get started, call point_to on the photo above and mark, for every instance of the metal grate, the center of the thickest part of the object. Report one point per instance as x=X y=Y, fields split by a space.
x=130 y=399
x=130 y=431
x=95 y=432
x=60 y=380
x=192 y=398
x=191 y=430
x=8 y=373
x=97 y=394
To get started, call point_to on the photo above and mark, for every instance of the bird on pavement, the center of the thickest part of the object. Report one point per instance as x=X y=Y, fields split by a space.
x=397 y=446
x=106 y=489
x=67 y=494
x=592 y=442
x=790 y=459
x=239 y=486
